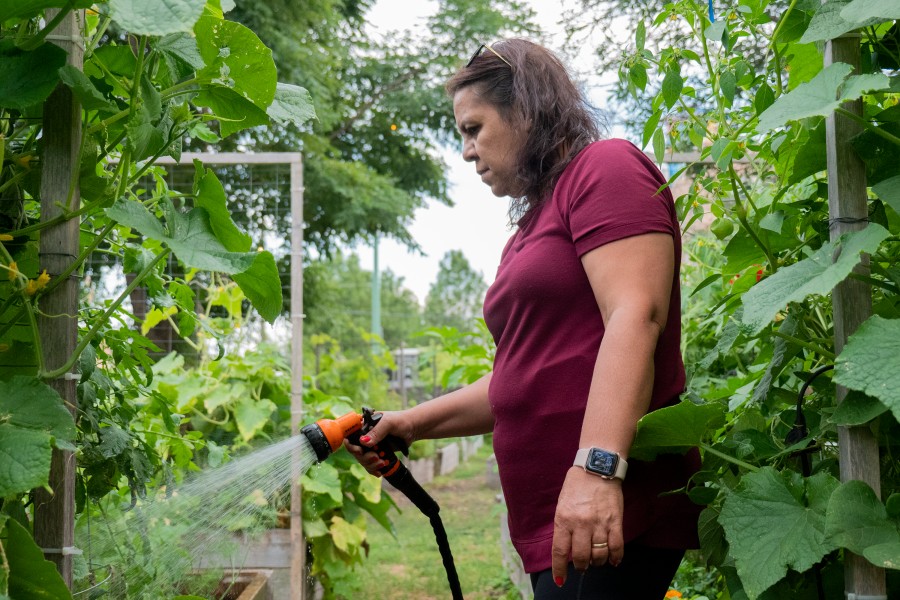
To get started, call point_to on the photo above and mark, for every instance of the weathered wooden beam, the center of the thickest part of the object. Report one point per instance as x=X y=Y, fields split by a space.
x=54 y=512
x=852 y=301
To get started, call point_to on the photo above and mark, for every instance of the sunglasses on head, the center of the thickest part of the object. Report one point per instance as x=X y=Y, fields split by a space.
x=479 y=51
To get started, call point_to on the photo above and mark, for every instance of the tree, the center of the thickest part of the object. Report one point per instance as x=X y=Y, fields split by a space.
x=456 y=296
x=337 y=298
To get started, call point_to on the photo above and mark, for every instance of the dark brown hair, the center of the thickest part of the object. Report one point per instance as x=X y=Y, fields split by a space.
x=531 y=86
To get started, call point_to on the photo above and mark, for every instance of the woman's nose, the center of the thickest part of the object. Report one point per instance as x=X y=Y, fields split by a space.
x=468 y=152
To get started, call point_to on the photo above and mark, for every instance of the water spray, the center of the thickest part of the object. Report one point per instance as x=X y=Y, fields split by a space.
x=327 y=435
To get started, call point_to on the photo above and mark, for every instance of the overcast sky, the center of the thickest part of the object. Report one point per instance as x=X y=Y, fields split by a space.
x=477 y=224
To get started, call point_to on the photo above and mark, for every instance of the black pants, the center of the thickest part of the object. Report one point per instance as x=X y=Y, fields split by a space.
x=644 y=574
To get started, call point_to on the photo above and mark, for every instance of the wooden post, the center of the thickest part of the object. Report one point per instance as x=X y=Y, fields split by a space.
x=54 y=512
x=852 y=302
x=298 y=543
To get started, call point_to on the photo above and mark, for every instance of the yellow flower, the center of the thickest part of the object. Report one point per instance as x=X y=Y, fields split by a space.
x=5 y=237
x=4 y=347
x=31 y=287
x=13 y=271
x=673 y=594
x=35 y=285
x=42 y=280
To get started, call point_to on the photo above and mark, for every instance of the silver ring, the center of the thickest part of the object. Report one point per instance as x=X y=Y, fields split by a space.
x=600 y=545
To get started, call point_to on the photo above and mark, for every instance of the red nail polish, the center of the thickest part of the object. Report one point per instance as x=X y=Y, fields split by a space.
x=365 y=439
x=558 y=580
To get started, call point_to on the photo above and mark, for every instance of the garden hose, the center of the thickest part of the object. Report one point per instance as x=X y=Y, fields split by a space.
x=327 y=435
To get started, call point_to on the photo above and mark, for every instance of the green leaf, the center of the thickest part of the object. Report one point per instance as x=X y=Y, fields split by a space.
x=113 y=440
x=857 y=409
x=775 y=521
x=323 y=479
x=889 y=192
x=234 y=112
x=819 y=97
x=191 y=237
x=773 y=221
x=261 y=284
x=32 y=418
x=886 y=556
x=859 y=11
x=828 y=23
x=856 y=519
x=650 y=127
x=659 y=145
x=29 y=8
x=671 y=88
x=210 y=196
x=252 y=415
x=30 y=576
x=675 y=429
x=640 y=36
x=85 y=91
x=764 y=98
x=182 y=46
x=28 y=78
x=715 y=31
x=292 y=104
x=817 y=274
x=236 y=59
x=868 y=362
x=346 y=535
x=156 y=17
x=728 y=85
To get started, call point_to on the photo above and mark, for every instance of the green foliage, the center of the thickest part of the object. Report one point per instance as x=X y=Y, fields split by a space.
x=29 y=575
x=757 y=317
x=456 y=296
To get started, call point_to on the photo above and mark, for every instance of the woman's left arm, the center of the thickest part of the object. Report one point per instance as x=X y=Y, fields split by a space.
x=632 y=282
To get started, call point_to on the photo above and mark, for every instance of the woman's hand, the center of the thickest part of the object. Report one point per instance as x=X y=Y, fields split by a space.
x=589 y=512
x=396 y=423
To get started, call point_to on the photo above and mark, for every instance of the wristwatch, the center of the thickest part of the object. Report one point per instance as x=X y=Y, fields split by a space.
x=604 y=463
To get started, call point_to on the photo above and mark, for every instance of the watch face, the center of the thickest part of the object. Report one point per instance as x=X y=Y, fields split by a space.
x=602 y=462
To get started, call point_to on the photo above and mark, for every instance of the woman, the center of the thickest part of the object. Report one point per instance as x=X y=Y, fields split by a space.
x=585 y=314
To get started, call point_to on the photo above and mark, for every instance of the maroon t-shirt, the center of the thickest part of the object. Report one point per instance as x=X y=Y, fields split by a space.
x=544 y=318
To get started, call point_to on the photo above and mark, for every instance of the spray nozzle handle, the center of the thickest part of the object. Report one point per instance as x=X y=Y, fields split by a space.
x=387 y=448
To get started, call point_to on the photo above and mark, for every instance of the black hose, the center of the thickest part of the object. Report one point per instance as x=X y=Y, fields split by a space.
x=403 y=480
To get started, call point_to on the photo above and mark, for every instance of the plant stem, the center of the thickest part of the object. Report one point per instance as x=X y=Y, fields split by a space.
x=729 y=458
x=37 y=40
x=868 y=126
x=103 y=319
x=804 y=344
x=742 y=217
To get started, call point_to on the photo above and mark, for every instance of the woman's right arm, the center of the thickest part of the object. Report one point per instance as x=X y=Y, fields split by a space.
x=465 y=411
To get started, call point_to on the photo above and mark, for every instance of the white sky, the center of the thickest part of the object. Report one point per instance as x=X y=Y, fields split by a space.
x=477 y=224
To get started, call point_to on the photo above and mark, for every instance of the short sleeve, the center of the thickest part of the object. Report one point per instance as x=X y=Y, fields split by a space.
x=612 y=191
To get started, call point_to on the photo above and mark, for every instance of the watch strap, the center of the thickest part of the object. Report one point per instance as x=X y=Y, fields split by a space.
x=581 y=460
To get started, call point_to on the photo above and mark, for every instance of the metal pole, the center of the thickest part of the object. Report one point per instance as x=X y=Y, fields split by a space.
x=298 y=543
x=376 y=297
x=54 y=512
x=852 y=303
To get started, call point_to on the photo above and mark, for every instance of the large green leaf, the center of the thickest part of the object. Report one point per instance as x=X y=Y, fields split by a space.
x=889 y=191
x=32 y=419
x=775 y=521
x=190 y=236
x=675 y=429
x=235 y=113
x=10 y=9
x=236 y=59
x=886 y=556
x=156 y=17
x=860 y=10
x=30 y=576
x=828 y=23
x=323 y=479
x=817 y=274
x=346 y=535
x=28 y=78
x=870 y=361
x=87 y=94
x=261 y=283
x=292 y=104
x=819 y=97
x=252 y=415
x=856 y=519
x=210 y=196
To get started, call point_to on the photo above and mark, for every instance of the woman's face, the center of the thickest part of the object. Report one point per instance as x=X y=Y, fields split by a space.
x=489 y=141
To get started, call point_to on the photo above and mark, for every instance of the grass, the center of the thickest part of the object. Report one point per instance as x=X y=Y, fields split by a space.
x=409 y=566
